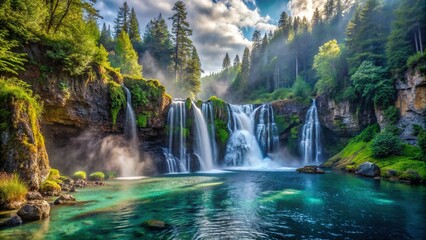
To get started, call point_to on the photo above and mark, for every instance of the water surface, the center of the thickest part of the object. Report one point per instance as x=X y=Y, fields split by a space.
x=239 y=205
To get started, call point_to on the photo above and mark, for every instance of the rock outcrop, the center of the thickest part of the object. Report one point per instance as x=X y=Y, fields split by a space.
x=411 y=103
x=368 y=169
x=310 y=170
x=64 y=199
x=35 y=210
x=22 y=148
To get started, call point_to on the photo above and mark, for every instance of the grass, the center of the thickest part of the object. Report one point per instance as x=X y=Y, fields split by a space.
x=79 y=175
x=97 y=176
x=358 y=152
x=50 y=186
x=12 y=188
x=54 y=175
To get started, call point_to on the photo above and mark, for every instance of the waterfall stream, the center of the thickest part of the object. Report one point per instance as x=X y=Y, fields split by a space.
x=311 y=139
x=203 y=145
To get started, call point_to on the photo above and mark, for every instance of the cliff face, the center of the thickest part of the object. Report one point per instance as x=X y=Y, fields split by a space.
x=411 y=102
x=343 y=118
x=22 y=148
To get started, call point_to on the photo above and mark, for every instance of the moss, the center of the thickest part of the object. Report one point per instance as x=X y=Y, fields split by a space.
x=188 y=103
x=294 y=132
x=50 y=186
x=221 y=129
x=410 y=175
x=368 y=133
x=97 y=176
x=65 y=90
x=142 y=120
x=217 y=102
x=118 y=100
x=79 y=175
x=54 y=175
x=12 y=188
x=358 y=152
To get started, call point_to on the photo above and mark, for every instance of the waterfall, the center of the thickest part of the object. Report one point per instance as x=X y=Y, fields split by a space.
x=203 y=143
x=130 y=164
x=266 y=129
x=208 y=114
x=178 y=132
x=310 y=145
x=242 y=148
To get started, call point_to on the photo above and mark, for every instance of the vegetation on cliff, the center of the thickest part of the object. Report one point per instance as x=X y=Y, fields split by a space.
x=12 y=188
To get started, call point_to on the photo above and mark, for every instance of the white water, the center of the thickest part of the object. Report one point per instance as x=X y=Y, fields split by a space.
x=176 y=120
x=208 y=114
x=266 y=130
x=310 y=145
x=242 y=148
x=203 y=145
x=129 y=162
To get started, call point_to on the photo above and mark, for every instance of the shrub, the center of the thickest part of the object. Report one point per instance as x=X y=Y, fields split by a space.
x=50 y=188
x=421 y=142
x=79 y=175
x=386 y=144
x=97 y=176
x=392 y=114
x=118 y=100
x=111 y=175
x=368 y=133
x=410 y=175
x=11 y=188
x=142 y=120
x=54 y=175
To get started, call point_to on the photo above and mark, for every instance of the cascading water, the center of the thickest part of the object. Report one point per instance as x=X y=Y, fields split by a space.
x=130 y=164
x=266 y=129
x=242 y=148
x=310 y=144
x=175 y=152
x=203 y=145
x=208 y=114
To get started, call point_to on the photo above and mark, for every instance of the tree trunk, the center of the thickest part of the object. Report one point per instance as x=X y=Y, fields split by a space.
x=415 y=41
x=420 y=40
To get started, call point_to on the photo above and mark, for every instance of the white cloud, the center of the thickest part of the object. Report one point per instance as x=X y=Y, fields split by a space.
x=216 y=26
x=305 y=8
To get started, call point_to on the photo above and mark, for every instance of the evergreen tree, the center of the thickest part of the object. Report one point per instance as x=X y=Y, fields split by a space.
x=284 y=25
x=325 y=64
x=157 y=41
x=226 y=62
x=106 y=39
x=406 y=36
x=125 y=56
x=122 y=21
x=329 y=10
x=191 y=83
x=134 y=32
x=245 y=67
x=236 y=60
x=182 y=42
x=316 y=18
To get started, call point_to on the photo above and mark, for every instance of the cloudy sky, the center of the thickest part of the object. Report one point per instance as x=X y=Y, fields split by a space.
x=219 y=26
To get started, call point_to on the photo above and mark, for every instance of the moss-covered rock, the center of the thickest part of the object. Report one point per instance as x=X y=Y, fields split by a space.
x=97 y=176
x=50 y=188
x=79 y=175
x=22 y=148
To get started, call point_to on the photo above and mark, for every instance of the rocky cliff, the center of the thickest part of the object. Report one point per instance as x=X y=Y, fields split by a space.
x=22 y=148
x=411 y=102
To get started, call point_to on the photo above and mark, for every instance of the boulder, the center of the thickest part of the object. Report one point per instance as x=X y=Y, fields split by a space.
x=64 y=199
x=34 y=195
x=13 y=221
x=12 y=205
x=310 y=170
x=34 y=210
x=368 y=169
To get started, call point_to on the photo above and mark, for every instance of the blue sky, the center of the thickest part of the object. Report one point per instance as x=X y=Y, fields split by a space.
x=219 y=26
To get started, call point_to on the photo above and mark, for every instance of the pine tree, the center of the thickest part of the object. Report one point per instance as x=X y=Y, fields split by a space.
x=157 y=41
x=105 y=38
x=126 y=57
x=237 y=61
x=182 y=42
x=191 y=83
x=329 y=10
x=316 y=18
x=245 y=67
x=284 y=25
x=134 y=33
x=226 y=62
x=122 y=21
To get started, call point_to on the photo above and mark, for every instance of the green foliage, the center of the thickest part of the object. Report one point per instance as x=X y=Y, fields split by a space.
x=50 y=186
x=10 y=62
x=97 y=176
x=410 y=175
x=125 y=57
x=111 y=175
x=12 y=188
x=325 y=64
x=300 y=88
x=386 y=144
x=418 y=61
x=368 y=133
x=391 y=115
x=54 y=175
x=65 y=90
x=217 y=102
x=191 y=84
x=421 y=142
x=142 y=120
x=118 y=100
x=79 y=175
x=221 y=128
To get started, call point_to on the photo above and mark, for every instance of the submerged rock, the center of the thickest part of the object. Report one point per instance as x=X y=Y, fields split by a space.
x=34 y=210
x=13 y=221
x=64 y=199
x=155 y=224
x=310 y=170
x=368 y=169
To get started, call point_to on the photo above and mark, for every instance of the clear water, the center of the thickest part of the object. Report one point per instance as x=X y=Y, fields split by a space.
x=239 y=205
